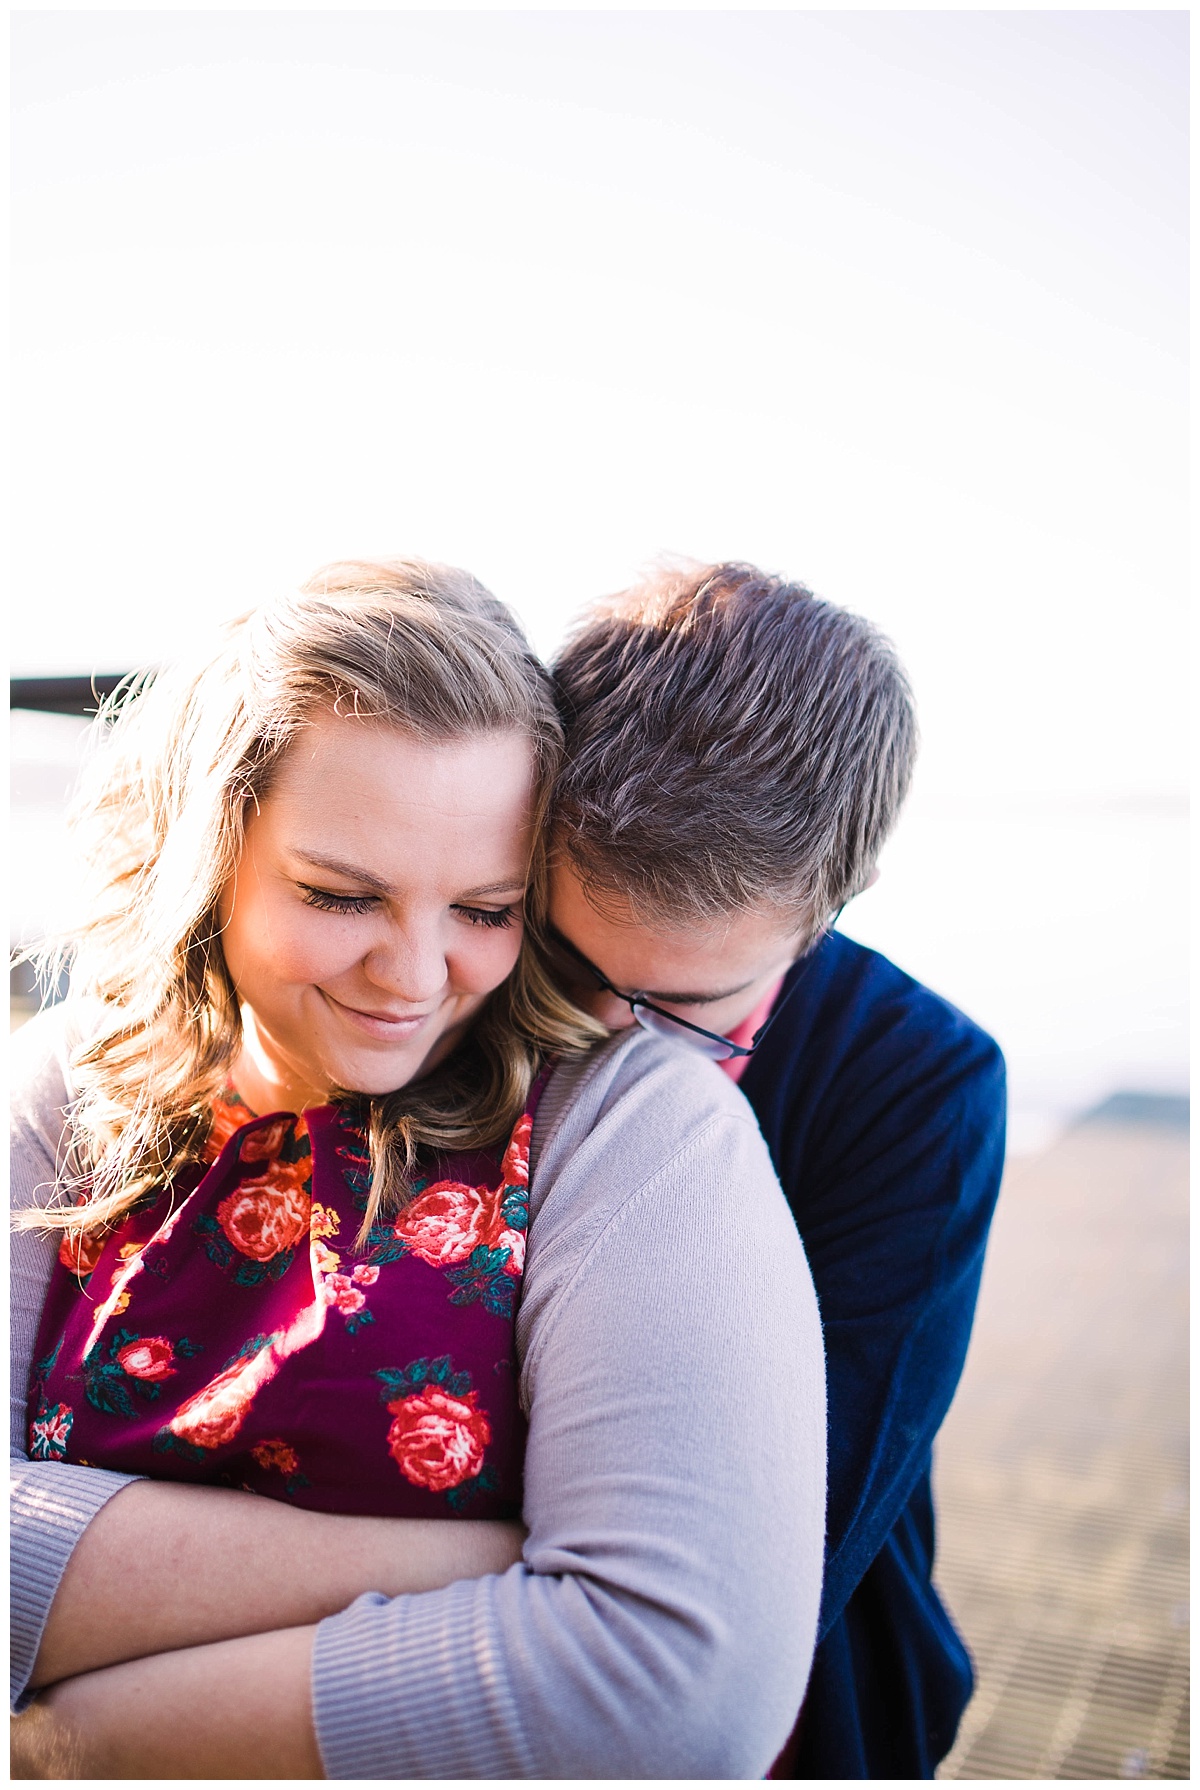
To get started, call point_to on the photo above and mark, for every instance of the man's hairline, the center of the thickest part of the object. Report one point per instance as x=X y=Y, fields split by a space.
x=655 y=917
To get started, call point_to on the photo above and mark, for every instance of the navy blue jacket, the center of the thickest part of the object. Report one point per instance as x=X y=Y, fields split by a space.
x=883 y=1108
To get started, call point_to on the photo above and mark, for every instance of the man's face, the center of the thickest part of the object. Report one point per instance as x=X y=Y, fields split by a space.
x=714 y=975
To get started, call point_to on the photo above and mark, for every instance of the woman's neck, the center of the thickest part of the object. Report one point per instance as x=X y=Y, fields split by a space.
x=265 y=1080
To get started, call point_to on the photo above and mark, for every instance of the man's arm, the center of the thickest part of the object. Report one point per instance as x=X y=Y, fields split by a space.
x=662 y=1623
x=941 y=1186
x=664 y=1324
x=888 y=1134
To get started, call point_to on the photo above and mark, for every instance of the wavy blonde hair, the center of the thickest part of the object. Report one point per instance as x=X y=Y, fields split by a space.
x=160 y=819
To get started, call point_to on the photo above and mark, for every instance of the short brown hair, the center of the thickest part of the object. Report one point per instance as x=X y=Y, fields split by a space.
x=733 y=742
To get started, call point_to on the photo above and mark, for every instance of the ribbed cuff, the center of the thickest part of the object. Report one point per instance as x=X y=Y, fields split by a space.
x=51 y=1504
x=411 y=1687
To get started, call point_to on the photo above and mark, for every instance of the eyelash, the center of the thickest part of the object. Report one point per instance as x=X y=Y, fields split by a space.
x=328 y=903
x=488 y=916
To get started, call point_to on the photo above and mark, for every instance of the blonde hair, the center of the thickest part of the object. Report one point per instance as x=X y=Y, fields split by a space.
x=420 y=647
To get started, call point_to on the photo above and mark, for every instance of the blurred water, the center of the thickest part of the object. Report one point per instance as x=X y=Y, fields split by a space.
x=1059 y=924
x=45 y=753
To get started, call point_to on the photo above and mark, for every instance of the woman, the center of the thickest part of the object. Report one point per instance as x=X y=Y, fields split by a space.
x=303 y=948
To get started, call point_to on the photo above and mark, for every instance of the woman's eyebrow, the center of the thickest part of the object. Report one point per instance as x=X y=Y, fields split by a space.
x=351 y=872
x=515 y=885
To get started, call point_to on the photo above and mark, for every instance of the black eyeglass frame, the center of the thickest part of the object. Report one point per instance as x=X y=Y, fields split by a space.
x=634 y=1001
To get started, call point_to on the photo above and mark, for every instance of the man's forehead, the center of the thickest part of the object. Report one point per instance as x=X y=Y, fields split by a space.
x=694 y=960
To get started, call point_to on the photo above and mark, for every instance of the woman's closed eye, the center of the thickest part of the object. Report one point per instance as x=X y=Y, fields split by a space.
x=329 y=903
x=487 y=916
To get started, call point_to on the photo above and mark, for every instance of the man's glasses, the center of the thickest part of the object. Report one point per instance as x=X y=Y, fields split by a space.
x=713 y=1045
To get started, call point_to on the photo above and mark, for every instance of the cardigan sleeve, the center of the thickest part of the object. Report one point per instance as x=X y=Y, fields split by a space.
x=52 y=1502
x=662 y=1621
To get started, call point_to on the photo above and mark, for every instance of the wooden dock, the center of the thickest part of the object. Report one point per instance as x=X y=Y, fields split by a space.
x=1061 y=1472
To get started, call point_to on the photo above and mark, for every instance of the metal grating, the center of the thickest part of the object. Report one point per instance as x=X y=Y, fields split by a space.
x=1062 y=1470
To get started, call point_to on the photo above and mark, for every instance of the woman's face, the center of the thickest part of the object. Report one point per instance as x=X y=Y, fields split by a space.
x=376 y=905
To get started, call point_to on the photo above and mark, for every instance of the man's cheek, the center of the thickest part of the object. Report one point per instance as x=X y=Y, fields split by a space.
x=611 y=1012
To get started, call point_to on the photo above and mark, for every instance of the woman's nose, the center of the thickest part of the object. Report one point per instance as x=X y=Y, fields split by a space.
x=410 y=963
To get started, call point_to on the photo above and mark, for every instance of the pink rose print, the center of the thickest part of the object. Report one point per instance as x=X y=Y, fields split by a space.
x=514 y=1242
x=514 y=1170
x=279 y=1456
x=228 y=1117
x=341 y=1292
x=267 y=1214
x=81 y=1250
x=438 y=1441
x=446 y=1222
x=276 y=1453
x=125 y=1257
x=215 y=1414
x=265 y=1143
x=147 y=1358
x=366 y=1274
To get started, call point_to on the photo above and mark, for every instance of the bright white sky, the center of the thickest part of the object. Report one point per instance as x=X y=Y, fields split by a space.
x=893 y=302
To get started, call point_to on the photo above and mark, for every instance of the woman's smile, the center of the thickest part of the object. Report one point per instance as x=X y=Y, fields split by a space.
x=377 y=1024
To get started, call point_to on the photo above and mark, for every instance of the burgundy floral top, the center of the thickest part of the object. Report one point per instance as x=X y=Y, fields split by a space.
x=230 y=1333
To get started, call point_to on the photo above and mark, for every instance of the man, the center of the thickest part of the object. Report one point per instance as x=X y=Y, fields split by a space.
x=737 y=753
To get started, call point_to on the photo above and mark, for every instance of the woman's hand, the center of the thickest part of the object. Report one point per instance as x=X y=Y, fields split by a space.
x=237 y=1709
x=164 y=1566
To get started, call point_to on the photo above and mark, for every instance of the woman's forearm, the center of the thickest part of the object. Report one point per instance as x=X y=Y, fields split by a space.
x=165 y=1566
x=237 y=1709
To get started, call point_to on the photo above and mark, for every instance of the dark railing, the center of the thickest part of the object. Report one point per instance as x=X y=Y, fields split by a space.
x=63 y=695
x=28 y=988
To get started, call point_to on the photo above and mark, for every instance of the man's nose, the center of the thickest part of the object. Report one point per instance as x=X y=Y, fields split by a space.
x=610 y=1010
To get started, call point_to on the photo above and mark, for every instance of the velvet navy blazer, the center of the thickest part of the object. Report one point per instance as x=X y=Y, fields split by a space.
x=884 y=1109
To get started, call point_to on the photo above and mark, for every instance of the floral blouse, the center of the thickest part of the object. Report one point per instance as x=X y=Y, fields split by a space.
x=230 y=1332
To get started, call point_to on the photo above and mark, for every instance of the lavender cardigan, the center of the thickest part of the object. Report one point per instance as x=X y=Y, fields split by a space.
x=662 y=1621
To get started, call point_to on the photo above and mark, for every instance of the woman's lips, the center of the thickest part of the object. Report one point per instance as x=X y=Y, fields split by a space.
x=392 y=1029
